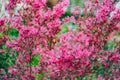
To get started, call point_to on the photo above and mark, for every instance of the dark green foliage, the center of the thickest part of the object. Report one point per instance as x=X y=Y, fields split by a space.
x=110 y=45
x=35 y=59
x=67 y=13
x=13 y=33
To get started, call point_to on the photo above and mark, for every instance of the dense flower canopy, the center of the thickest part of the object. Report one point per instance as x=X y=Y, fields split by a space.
x=44 y=50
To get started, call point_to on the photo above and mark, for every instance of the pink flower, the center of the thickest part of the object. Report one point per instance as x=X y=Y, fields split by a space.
x=2 y=22
x=2 y=51
x=74 y=53
x=5 y=77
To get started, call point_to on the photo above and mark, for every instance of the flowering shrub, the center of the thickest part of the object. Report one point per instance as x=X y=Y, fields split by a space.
x=45 y=52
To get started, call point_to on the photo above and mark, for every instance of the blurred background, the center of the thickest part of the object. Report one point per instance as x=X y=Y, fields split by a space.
x=73 y=3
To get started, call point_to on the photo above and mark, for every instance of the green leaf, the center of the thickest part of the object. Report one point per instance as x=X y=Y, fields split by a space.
x=1 y=34
x=35 y=59
x=110 y=45
x=65 y=28
x=24 y=22
x=82 y=14
x=73 y=25
x=85 y=78
x=14 y=33
x=4 y=47
x=40 y=76
x=67 y=13
x=92 y=76
x=82 y=3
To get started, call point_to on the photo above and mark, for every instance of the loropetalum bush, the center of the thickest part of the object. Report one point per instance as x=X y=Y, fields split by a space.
x=81 y=52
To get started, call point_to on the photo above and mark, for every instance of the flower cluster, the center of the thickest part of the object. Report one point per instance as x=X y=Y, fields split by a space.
x=76 y=53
